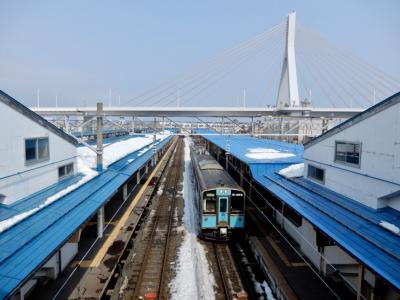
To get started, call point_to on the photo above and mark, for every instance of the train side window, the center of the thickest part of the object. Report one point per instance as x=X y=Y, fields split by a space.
x=209 y=205
x=237 y=202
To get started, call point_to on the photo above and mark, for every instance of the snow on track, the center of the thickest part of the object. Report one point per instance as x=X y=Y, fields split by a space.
x=193 y=280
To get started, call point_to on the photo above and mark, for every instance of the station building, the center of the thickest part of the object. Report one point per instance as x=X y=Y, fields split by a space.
x=35 y=154
x=342 y=211
x=47 y=200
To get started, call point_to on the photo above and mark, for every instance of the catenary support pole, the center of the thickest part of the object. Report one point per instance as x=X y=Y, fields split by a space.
x=99 y=140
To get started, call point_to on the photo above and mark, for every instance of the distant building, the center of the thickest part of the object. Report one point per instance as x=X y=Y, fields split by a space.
x=34 y=153
x=360 y=158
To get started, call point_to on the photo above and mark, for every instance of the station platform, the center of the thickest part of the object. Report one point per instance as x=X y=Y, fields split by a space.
x=28 y=244
x=293 y=276
x=346 y=223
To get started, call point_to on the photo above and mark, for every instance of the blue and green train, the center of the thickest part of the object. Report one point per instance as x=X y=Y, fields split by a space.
x=220 y=200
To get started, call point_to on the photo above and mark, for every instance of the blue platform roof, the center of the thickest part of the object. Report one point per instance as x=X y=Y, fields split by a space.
x=353 y=226
x=242 y=147
x=28 y=244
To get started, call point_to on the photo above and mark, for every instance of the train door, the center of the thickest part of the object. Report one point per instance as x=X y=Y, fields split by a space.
x=223 y=210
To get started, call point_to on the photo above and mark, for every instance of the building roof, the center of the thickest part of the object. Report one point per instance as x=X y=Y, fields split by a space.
x=251 y=150
x=28 y=244
x=373 y=110
x=19 y=107
x=355 y=227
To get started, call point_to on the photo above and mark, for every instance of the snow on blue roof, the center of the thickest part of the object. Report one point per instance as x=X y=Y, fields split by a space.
x=257 y=151
x=35 y=199
x=28 y=244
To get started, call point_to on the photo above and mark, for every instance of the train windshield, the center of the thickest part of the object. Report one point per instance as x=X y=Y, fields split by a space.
x=210 y=202
x=237 y=202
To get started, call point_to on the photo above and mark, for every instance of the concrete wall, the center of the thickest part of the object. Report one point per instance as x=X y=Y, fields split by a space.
x=379 y=171
x=15 y=128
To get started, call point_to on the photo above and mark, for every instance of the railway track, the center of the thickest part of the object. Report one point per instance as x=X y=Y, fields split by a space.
x=227 y=279
x=150 y=273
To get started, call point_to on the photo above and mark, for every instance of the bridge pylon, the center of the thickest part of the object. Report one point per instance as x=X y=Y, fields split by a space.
x=288 y=93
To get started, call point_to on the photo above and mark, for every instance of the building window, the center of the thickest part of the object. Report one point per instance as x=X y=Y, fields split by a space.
x=65 y=171
x=316 y=173
x=348 y=153
x=36 y=150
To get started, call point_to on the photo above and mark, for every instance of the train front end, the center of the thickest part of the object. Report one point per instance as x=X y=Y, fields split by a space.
x=223 y=213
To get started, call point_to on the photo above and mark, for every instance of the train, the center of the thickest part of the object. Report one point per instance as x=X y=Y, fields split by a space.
x=220 y=200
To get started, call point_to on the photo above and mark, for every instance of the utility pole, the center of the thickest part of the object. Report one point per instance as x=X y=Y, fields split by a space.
x=154 y=142
x=99 y=140
x=56 y=100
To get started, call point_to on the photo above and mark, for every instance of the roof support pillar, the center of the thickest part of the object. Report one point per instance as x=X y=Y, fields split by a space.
x=133 y=125
x=252 y=126
x=100 y=222
x=360 y=282
x=125 y=191
x=66 y=123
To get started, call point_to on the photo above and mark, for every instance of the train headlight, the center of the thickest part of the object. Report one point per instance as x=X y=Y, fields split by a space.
x=223 y=231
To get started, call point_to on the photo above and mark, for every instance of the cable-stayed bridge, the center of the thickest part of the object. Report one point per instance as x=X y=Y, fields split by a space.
x=303 y=76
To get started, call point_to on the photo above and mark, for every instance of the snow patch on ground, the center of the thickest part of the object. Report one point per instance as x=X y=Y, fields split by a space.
x=261 y=288
x=293 y=171
x=266 y=153
x=267 y=290
x=391 y=227
x=193 y=280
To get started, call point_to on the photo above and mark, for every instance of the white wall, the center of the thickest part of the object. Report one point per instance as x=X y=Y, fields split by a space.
x=15 y=128
x=380 y=158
